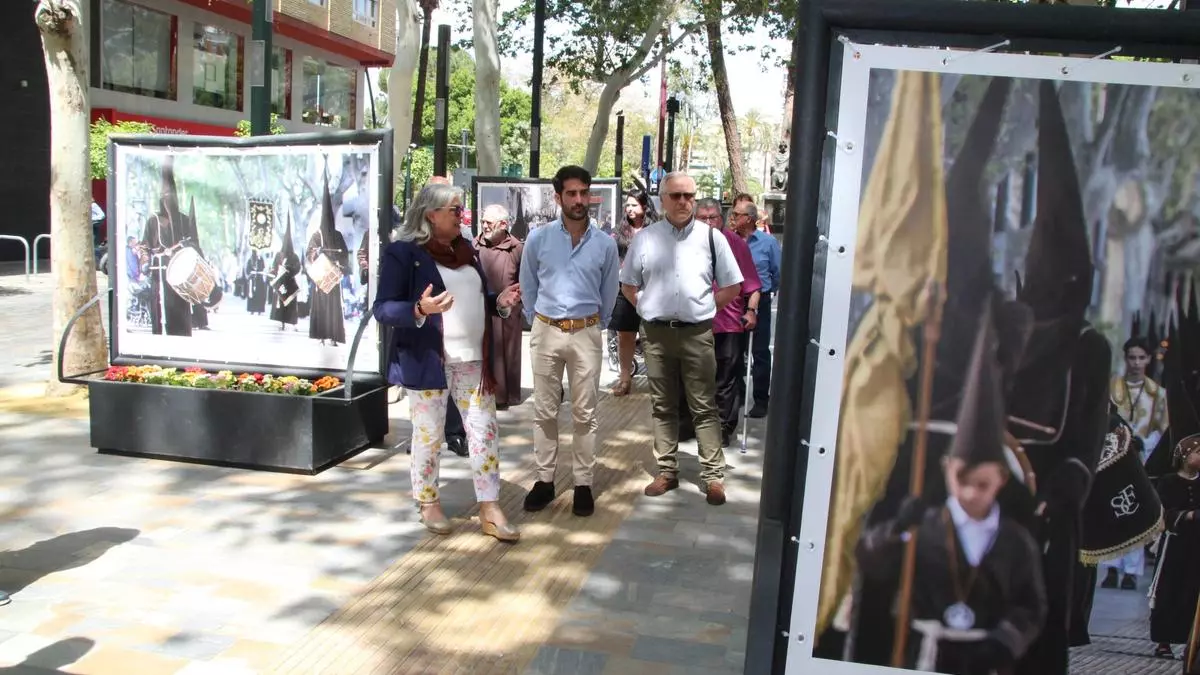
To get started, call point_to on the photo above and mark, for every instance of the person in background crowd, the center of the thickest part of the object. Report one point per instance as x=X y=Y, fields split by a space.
x=500 y=255
x=623 y=329
x=1176 y=588
x=732 y=325
x=433 y=293
x=678 y=276
x=766 y=253
x=1142 y=403
x=569 y=280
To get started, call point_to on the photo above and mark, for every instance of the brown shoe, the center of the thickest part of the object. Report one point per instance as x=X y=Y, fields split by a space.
x=663 y=483
x=715 y=492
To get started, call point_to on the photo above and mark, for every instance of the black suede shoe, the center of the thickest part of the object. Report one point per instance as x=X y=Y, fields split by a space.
x=758 y=412
x=584 y=504
x=1111 y=579
x=1129 y=583
x=457 y=445
x=540 y=496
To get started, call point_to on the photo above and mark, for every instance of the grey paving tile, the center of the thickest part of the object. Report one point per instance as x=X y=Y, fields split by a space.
x=192 y=646
x=560 y=661
x=678 y=652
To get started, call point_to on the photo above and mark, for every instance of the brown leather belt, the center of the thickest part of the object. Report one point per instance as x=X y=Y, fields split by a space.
x=570 y=325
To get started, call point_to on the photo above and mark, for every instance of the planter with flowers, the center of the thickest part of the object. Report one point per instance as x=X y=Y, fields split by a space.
x=248 y=419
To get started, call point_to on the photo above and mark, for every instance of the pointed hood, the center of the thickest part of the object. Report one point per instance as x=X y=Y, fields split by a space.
x=1057 y=283
x=288 y=248
x=980 y=435
x=1136 y=329
x=1058 y=264
x=1152 y=334
x=328 y=229
x=170 y=192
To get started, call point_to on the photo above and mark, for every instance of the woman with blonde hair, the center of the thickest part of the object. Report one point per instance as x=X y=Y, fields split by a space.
x=433 y=292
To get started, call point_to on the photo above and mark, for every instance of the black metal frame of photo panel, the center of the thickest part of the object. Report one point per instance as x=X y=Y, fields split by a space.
x=1059 y=29
x=382 y=137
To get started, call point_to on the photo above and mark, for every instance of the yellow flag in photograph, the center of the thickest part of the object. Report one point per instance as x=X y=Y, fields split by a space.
x=902 y=235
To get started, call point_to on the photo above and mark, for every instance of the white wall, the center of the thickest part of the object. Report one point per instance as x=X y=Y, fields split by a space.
x=182 y=107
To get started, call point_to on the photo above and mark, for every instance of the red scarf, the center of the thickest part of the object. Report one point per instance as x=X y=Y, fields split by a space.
x=459 y=254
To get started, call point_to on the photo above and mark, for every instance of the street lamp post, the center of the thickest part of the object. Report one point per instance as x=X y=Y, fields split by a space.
x=260 y=69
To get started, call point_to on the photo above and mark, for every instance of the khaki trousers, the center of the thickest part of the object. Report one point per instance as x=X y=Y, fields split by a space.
x=684 y=353
x=579 y=353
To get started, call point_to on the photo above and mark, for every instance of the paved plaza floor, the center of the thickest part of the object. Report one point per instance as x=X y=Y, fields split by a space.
x=140 y=567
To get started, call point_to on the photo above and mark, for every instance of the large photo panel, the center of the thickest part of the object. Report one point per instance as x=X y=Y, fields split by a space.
x=529 y=202
x=1005 y=222
x=257 y=255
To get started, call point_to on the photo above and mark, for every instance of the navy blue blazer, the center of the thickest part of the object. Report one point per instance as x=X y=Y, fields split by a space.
x=416 y=355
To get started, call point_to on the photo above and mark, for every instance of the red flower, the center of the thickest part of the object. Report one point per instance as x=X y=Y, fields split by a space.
x=115 y=373
x=193 y=369
x=258 y=378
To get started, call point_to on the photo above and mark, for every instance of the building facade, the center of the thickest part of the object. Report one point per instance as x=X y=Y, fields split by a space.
x=183 y=66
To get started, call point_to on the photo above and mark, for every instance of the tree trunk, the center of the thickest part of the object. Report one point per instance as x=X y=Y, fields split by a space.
x=733 y=140
x=789 y=97
x=487 y=88
x=400 y=115
x=634 y=68
x=72 y=259
x=422 y=76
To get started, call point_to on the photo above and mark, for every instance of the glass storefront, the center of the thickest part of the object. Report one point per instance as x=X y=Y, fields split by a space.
x=217 y=67
x=281 y=82
x=330 y=94
x=137 y=54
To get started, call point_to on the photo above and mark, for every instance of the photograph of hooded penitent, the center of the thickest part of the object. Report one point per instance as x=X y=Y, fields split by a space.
x=243 y=256
x=1012 y=234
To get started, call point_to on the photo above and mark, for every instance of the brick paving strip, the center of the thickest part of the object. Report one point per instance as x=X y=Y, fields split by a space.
x=467 y=603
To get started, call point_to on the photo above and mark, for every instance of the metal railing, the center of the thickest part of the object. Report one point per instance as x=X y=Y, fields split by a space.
x=24 y=242
x=36 y=240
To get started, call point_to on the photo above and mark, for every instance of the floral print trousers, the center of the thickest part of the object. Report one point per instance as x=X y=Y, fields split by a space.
x=428 y=410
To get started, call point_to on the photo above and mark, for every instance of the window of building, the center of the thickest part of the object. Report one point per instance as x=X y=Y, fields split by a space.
x=330 y=94
x=319 y=3
x=217 y=67
x=365 y=11
x=137 y=52
x=281 y=82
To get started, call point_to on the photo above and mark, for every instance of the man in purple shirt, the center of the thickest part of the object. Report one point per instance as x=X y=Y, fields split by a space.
x=733 y=324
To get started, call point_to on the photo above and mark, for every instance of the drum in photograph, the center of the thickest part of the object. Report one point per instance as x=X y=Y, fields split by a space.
x=325 y=273
x=192 y=277
x=1123 y=511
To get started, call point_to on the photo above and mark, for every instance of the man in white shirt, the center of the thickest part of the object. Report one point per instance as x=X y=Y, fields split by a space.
x=669 y=275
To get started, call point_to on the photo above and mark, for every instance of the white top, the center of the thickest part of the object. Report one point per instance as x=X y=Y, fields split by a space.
x=673 y=270
x=462 y=326
x=975 y=536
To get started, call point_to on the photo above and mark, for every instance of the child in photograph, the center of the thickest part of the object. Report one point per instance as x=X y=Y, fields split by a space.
x=1176 y=587
x=978 y=599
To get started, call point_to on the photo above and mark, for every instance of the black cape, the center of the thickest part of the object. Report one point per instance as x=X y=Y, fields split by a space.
x=1178 y=574
x=326 y=319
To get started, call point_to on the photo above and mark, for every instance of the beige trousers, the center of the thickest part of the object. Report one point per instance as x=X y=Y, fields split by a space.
x=579 y=353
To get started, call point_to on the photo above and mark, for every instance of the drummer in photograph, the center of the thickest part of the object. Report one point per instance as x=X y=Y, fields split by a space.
x=1142 y=403
x=164 y=234
x=284 y=286
x=199 y=311
x=326 y=320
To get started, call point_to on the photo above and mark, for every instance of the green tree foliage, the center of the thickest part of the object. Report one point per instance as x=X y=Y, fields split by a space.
x=515 y=105
x=243 y=127
x=98 y=142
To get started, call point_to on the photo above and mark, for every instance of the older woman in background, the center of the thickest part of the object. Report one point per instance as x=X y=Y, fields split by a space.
x=432 y=290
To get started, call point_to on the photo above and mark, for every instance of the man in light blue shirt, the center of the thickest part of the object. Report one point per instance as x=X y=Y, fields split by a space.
x=568 y=287
x=766 y=253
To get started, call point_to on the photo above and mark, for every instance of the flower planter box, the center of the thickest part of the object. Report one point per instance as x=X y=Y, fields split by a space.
x=275 y=432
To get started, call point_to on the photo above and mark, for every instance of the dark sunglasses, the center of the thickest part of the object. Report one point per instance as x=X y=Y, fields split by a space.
x=682 y=196
x=456 y=210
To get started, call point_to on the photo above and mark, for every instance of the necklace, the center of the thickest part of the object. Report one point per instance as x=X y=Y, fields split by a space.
x=958 y=616
x=1133 y=402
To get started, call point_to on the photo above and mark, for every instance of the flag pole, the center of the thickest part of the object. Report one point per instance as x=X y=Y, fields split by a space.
x=916 y=481
x=1189 y=656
